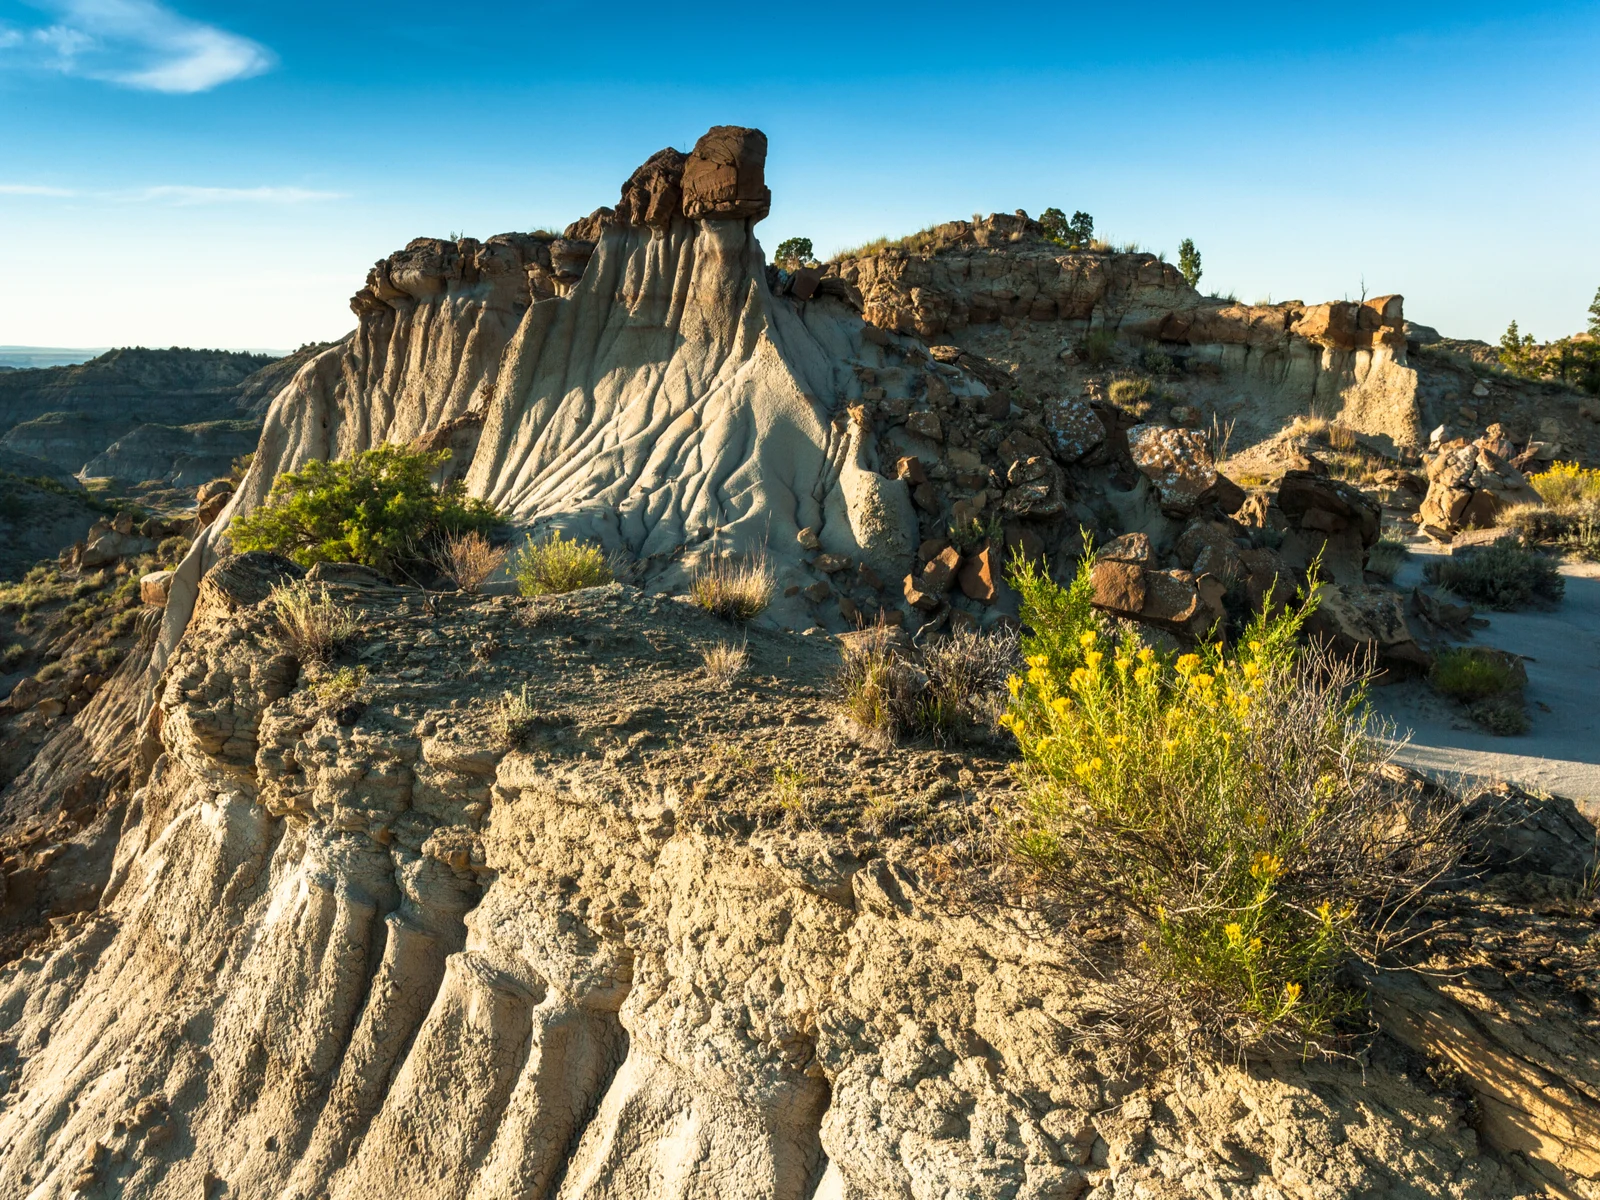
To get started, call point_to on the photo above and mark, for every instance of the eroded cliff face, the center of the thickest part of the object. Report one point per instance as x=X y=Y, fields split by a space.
x=685 y=943
x=978 y=283
x=633 y=381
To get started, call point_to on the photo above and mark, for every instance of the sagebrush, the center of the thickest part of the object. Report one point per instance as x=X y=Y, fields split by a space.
x=555 y=564
x=1228 y=809
x=312 y=625
x=1505 y=576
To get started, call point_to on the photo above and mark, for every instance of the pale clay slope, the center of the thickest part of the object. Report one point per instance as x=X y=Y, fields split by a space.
x=393 y=959
x=1561 y=753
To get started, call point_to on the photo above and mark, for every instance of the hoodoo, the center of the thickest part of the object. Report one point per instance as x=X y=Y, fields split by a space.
x=518 y=897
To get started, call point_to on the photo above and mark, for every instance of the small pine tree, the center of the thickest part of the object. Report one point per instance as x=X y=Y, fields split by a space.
x=1189 y=262
x=1516 y=350
x=1594 y=315
x=1082 y=227
x=795 y=250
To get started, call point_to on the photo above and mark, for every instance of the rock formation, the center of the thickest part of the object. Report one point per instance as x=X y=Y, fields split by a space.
x=703 y=943
x=363 y=948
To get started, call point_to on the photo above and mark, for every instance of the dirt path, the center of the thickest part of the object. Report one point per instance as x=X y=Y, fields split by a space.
x=1561 y=753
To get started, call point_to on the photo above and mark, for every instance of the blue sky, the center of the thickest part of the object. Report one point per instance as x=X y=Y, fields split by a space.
x=223 y=174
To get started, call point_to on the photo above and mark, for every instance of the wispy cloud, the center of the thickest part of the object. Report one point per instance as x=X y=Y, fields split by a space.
x=134 y=43
x=180 y=194
x=33 y=189
x=176 y=194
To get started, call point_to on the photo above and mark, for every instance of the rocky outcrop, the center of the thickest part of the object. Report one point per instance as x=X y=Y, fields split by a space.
x=362 y=947
x=636 y=381
x=1343 y=357
x=1471 y=484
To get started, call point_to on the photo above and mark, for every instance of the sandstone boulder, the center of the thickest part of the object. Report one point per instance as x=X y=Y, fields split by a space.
x=725 y=176
x=154 y=587
x=1177 y=463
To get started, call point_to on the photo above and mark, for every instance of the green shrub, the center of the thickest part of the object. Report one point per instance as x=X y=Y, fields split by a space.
x=1487 y=682
x=1227 y=809
x=379 y=508
x=11 y=658
x=1189 y=262
x=557 y=564
x=1566 y=487
x=795 y=251
x=1504 y=576
x=1465 y=674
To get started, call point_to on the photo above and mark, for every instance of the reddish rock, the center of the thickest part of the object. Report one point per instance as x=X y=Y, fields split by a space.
x=804 y=283
x=818 y=591
x=725 y=176
x=1118 y=587
x=910 y=469
x=977 y=576
x=926 y=497
x=832 y=564
x=939 y=574
x=1177 y=462
x=918 y=598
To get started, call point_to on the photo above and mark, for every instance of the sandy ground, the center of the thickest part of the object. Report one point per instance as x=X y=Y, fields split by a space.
x=1561 y=753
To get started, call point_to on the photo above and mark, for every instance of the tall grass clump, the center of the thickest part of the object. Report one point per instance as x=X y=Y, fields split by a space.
x=734 y=589
x=1505 y=576
x=312 y=625
x=940 y=692
x=1228 y=808
x=470 y=559
x=557 y=564
x=1387 y=556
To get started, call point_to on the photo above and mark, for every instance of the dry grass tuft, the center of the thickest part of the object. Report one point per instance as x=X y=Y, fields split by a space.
x=470 y=560
x=735 y=589
x=953 y=685
x=724 y=662
x=513 y=720
x=311 y=624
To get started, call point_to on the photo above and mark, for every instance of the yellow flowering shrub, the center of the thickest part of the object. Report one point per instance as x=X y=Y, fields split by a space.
x=1566 y=485
x=1224 y=805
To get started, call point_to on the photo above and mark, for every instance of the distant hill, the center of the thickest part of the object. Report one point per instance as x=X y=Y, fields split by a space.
x=21 y=358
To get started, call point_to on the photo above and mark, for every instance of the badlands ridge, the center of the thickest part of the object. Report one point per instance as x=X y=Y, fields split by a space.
x=687 y=942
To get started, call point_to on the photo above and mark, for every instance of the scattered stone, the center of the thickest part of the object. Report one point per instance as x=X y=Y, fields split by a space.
x=925 y=424
x=832 y=564
x=910 y=469
x=154 y=587
x=977 y=576
x=818 y=591
x=808 y=539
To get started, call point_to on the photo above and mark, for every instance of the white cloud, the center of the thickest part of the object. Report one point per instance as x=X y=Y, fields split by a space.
x=138 y=44
x=181 y=195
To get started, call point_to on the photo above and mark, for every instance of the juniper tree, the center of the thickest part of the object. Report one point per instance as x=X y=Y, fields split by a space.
x=1189 y=262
